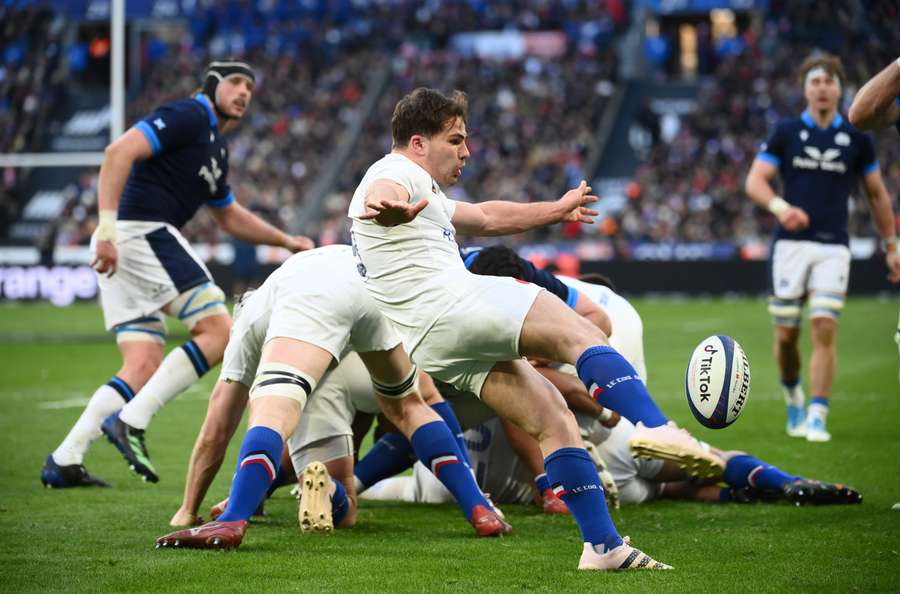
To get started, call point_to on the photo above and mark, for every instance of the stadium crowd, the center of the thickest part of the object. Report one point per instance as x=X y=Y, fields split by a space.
x=690 y=188
x=532 y=118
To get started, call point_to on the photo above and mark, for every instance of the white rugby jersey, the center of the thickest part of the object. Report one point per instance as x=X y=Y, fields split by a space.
x=400 y=262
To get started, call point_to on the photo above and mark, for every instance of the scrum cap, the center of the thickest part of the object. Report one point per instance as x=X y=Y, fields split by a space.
x=218 y=71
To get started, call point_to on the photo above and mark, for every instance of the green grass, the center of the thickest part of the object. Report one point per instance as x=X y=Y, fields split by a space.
x=101 y=540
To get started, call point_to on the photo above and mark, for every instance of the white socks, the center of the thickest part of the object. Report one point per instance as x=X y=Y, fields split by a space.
x=105 y=401
x=794 y=396
x=176 y=374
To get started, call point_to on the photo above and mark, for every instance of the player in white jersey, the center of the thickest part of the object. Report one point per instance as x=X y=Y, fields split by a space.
x=473 y=331
x=305 y=317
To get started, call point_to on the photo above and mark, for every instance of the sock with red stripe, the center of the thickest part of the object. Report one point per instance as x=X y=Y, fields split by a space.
x=435 y=446
x=747 y=471
x=614 y=384
x=257 y=467
x=574 y=479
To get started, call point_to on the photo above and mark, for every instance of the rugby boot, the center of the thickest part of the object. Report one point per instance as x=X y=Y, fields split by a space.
x=212 y=535
x=488 y=523
x=803 y=491
x=752 y=495
x=815 y=429
x=796 y=421
x=130 y=443
x=54 y=476
x=552 y=504
x=670 y=442
x=622 y=558
x=315 y=500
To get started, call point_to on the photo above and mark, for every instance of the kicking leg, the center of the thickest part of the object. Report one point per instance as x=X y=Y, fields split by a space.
x=519 y=393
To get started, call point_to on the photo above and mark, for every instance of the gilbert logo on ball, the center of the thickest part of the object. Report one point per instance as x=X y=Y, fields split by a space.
x=717 y=381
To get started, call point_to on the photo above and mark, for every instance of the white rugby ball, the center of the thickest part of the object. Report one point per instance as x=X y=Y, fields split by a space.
x=717 y=381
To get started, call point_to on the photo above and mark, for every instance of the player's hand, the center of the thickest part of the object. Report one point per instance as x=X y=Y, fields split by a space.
x=390 y=212
x=299 y=243
x=574 y=203
x=105 y=258
x=613 y=420
x=794 y=219
x=893 y=264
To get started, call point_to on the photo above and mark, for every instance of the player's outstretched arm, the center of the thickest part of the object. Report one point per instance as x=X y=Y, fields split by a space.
x=883 y=213
x=118 y=159
x=387 y=203
x=243 y=224
x=759 y=188
x=875 y=105
x=502 y=217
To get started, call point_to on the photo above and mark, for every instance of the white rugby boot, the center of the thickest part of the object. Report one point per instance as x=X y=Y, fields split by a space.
x=315 y=500
x=622 y=558
x=670 y=442
x=815 y=429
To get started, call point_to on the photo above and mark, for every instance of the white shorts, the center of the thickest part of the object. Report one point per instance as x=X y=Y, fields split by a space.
x=477 y=322
x=633 y=476
x=801 y=269
x=316 y=297
x=155 y=265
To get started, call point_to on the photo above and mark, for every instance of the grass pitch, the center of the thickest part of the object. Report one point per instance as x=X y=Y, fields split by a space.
x=102 y=540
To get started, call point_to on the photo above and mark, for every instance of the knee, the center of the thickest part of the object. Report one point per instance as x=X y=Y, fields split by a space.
x=216 y=327
x=824 y=331
x=556 y=420
x=786 y=336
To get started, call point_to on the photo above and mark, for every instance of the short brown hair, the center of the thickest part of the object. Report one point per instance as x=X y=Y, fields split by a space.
x=831 y=64
x=426 y=112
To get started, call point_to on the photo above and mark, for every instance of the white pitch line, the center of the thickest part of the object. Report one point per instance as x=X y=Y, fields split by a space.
x=59 y=404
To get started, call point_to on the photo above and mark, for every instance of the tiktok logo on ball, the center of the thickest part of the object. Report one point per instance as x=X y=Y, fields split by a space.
x=705 y=367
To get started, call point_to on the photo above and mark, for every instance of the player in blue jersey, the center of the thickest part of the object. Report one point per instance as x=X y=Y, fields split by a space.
x=152 y=181
x=877 y=105
x=820 y=159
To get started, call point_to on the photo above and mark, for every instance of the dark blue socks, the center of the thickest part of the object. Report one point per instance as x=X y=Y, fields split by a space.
x=436 y=447
x=574 y=479
x=258 y=464
x=747 y=471
x=614 y=384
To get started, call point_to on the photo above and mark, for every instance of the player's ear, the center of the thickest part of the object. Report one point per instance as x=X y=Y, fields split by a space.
x=418 y=144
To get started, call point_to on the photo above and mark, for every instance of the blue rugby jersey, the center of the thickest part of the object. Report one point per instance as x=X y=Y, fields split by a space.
x=188 y=169
x=819 y=169
x=533 y=274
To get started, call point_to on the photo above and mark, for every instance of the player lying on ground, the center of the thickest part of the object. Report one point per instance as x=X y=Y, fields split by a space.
x=472 y=331
x=304 y=318
x=501 y=470
x=152 y=181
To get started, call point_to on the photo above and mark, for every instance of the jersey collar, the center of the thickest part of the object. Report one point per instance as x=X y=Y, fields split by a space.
x=809 y=121
x=204 y=101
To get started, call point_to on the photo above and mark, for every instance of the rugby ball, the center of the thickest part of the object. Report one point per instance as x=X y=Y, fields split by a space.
x=717 y=381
